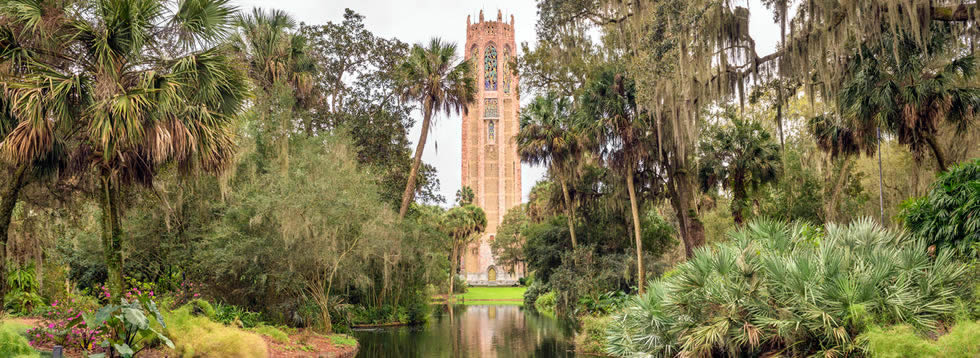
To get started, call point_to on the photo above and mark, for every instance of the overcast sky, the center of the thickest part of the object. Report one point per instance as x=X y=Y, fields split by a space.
x=414 y=21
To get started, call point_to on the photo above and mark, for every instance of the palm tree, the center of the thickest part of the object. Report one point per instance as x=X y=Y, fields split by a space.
x=432 y=77
x=623 y=137
x=907 y=89
x=549 y=136
x=277 y=58
x=145 y=86
x=463 y=224
x=738 y=157
x=840 y=142
x=465 y=196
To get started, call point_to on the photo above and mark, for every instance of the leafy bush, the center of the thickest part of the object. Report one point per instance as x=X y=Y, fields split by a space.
x=546 y=303
x=14 y=345
x=127 y=325
x=901 y=341
x=792 y=289
x=533 y=291
x=236 y=316
x=61 y=325
x=592 y=338
x=22 y=296
x=196 y=336
x=604 y=304
x=949 y=215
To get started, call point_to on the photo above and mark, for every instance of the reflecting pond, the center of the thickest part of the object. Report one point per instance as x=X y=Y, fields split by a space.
x=503 y=331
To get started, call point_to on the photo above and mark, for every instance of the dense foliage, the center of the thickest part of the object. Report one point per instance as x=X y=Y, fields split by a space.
x=949 y=215
x=790 y=288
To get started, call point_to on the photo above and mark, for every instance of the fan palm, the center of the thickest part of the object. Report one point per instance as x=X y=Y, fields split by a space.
x=432 y=77
x=907 y=89
x=144 y=85
x=623 y=137
x=550 y=136
x=463 y=224
x=277 y=58
x=738 y=157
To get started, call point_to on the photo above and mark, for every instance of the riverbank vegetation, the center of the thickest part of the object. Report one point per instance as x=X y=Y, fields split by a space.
x=224 y=179
x=706 y=197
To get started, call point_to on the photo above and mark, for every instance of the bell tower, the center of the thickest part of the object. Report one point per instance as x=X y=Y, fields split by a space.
x=490 y=165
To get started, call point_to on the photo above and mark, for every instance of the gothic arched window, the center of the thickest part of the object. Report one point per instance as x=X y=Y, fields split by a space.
x=490 y=68
x=506 y=70
x=491 y=133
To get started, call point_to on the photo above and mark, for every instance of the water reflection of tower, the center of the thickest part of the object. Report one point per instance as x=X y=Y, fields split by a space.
x=490 y=164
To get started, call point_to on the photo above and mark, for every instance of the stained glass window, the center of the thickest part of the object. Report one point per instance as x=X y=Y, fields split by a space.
x=491 y=108
x=506 y=70
x=490 y=69
x=491 y=133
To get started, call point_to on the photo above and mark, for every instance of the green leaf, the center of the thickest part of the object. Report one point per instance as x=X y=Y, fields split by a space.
x=136 y=318
x=123 y=350
x=163 y=338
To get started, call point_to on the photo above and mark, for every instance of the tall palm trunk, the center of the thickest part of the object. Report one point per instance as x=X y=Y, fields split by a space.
x=937 y=151
x=569 y=212
x=6 y=212
x=409 y=194
x=641 y=277
x=112 y=237
x=453 y=267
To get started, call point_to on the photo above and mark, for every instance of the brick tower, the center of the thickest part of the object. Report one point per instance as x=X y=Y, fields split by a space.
x=491 y=166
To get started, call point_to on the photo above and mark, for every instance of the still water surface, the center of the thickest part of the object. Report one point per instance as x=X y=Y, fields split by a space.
x=496 y=331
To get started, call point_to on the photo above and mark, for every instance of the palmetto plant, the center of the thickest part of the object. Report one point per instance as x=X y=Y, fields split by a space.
x=791 y=290
x=140 y=83
x=432 y=77
x=550 y=135
x=738 y=157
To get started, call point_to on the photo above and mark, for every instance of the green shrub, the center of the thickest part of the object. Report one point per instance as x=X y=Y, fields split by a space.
x=533 y=291
x=792 y=289
x=342 y=340
x=949 y=215
x=546 y=303
x=202 y=307
x=592 y=338
x=13 y=344
x=272 y=332
x=236 y=316
x=196 y=336
x=22 y=297
x=901 y=341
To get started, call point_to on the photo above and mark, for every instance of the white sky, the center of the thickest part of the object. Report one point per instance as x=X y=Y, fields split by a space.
x=419 y=20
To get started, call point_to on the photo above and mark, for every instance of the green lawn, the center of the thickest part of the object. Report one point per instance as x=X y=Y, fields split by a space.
x=494 y=293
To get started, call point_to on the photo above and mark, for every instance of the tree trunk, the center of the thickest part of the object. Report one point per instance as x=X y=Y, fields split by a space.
x=738 y=201
x=409 y=194
x=937 y=151
x=112 y=237
x=682 y=199
x=831 y=206
x=6 y=213
x=453 y=266
x=641 y=278
x=570 y=213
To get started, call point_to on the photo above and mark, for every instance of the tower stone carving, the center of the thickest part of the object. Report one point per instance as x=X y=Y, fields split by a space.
x=490 y=165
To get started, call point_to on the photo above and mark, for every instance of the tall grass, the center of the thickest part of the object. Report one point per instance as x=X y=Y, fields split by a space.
x=789 y=289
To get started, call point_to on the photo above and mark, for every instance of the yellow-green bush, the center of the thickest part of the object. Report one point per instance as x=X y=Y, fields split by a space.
x=546 y=303
x=901 y=341
x=272 y=332
x=13 y=344
x=196 y=336
x=592 y=338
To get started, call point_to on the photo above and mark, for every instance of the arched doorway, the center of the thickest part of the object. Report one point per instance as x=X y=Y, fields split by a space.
x=491 y=274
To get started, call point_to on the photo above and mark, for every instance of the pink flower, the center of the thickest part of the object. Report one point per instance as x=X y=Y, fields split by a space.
x=197 y=294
